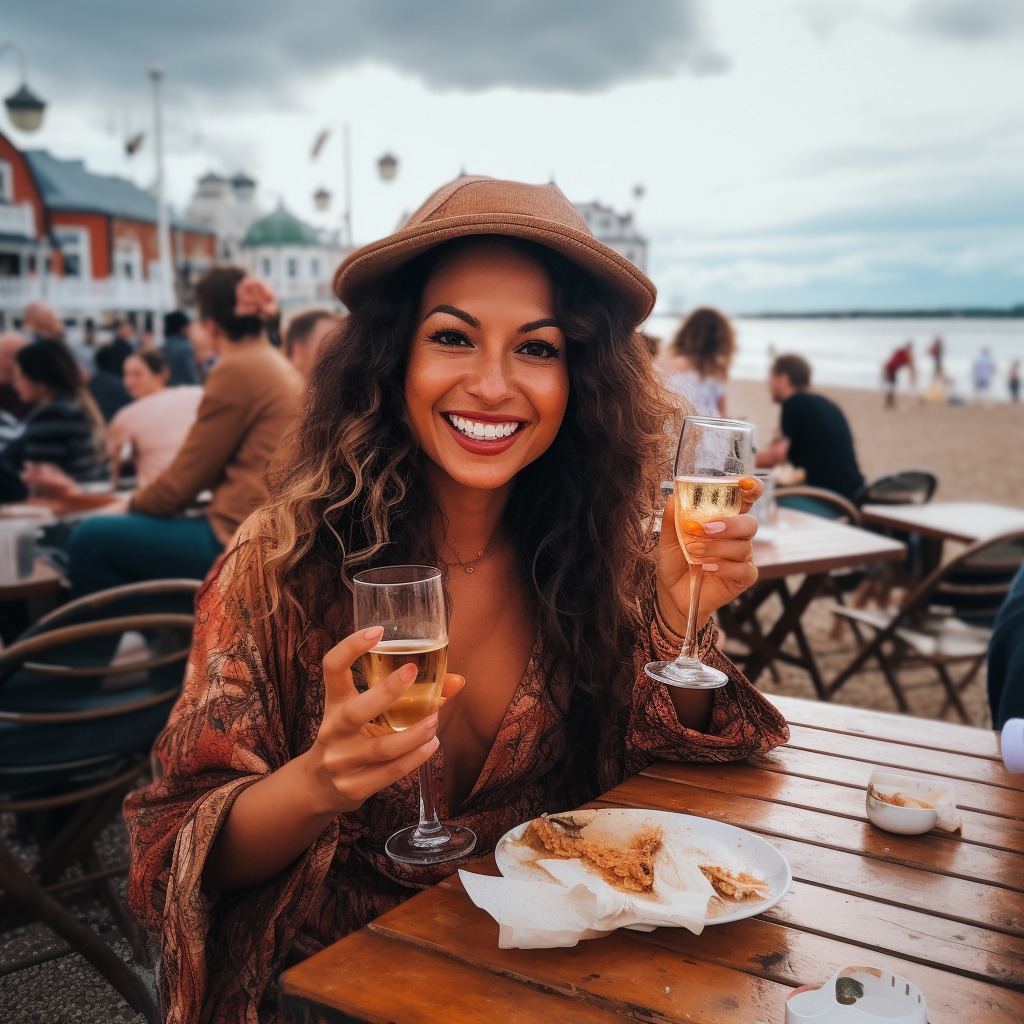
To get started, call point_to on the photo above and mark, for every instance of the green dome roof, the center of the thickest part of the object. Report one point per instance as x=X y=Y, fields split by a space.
x=280 y=228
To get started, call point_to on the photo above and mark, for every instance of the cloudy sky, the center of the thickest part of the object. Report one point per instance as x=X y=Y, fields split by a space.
x=795 y=154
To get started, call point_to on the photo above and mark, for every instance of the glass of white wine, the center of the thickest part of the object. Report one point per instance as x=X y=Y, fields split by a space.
x=712 y=457
x=408 y=601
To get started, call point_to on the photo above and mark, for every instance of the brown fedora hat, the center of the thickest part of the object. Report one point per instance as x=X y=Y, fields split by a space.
x=473 y=205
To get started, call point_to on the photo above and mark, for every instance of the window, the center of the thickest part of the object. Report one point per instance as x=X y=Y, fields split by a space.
x=74 y=245
x=6 y=182
x=293 y=267
x=314 y=269
x=266 y=266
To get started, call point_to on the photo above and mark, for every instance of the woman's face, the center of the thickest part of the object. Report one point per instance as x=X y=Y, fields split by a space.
x=139 y=379
x=487 y=381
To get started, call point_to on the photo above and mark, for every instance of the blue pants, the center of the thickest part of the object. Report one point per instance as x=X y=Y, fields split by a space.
x=108 y=551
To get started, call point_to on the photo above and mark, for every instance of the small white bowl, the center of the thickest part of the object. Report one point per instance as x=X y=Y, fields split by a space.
x=905 y=821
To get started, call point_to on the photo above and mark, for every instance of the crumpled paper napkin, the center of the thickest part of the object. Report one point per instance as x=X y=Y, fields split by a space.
x=575 y=904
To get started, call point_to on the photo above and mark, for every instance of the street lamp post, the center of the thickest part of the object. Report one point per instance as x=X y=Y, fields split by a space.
x=166 y=281
x=346 y=139
x=24 y=108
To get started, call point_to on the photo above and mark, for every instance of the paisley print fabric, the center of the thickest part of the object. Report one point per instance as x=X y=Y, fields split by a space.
x=253 y=699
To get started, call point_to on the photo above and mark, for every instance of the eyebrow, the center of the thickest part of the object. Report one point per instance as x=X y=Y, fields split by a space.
x=534 y=325
x=456 y=312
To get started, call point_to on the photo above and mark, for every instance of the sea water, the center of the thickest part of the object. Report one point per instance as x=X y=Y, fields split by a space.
x=851 y=351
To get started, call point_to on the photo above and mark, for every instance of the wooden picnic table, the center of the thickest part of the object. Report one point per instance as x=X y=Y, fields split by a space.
x=963 y=521
x=945 y=911
x=798 y=544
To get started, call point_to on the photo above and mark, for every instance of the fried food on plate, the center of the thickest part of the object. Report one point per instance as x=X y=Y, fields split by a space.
x=632 y=866
x=736 y=886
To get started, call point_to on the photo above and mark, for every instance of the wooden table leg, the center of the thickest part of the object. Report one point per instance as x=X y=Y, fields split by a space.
x=765 y=649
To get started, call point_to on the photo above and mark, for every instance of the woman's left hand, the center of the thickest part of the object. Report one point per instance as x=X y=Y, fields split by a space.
x=724 y=549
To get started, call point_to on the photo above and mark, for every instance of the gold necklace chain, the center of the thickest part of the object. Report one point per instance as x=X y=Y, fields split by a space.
x=469 y=565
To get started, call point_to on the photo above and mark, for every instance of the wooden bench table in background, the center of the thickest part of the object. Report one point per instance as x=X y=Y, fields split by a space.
x=945 y=911
x=799 y=544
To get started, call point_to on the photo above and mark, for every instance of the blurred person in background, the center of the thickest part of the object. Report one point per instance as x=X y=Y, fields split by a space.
x=936 y=350
x=150 y=430
x=65 y=427
x=1013 y=382
x=815 y=435
x=41 y=323
x=983 y=370
x=902 y=357
x=250 y=399
x=181 y=360
x=304 y=335
x=700 y=356
x=10 y=401
x=106 y=385
x=125 y=342
x=203 y=350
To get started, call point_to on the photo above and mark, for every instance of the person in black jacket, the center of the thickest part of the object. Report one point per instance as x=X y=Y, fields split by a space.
x=181 y=360
x=64 y=428
x=106 y=386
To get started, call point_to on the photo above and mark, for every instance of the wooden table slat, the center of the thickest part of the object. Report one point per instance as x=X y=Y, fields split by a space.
x=964 y=521
x=815 y=794
x=354 y=979
x=961 y=860
x=883 y=725
x=994 y=801
x=914 y=759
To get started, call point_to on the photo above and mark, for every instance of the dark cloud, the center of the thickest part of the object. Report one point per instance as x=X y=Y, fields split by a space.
x=226 y=47
x=969 y=19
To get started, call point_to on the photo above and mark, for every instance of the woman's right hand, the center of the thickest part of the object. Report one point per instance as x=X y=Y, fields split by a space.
x=350 y=760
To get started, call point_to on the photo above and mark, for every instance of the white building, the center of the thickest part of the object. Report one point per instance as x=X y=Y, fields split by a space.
x=228 y=206
x=297 y=260
x=616 y=230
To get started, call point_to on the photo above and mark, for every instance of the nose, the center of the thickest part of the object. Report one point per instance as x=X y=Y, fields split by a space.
x=491 y=381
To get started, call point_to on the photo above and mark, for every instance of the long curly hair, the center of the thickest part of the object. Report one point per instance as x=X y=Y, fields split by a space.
x=351 y=492
x=707 y=339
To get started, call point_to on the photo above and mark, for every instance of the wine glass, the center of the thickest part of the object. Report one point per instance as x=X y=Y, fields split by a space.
x=408 y=601
x=712 y=456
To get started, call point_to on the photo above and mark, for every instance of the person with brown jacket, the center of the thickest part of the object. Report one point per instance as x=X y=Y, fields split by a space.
x=250 y=400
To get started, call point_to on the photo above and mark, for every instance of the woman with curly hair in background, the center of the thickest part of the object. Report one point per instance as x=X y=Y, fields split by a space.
x=486 y=405
x=698 y=364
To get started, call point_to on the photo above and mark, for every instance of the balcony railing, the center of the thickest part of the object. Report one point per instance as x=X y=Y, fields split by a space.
x=71 y=295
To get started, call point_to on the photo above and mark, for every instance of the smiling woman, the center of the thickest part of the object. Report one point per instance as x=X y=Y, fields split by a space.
x=488 y=408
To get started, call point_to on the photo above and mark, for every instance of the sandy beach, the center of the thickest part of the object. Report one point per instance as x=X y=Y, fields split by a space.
x=976 y=454
x=974 y=451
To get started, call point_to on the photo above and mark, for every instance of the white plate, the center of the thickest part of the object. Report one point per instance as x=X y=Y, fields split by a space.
x=752 y=853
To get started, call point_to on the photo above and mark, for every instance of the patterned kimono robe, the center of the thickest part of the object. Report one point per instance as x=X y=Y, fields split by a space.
x=253 y=699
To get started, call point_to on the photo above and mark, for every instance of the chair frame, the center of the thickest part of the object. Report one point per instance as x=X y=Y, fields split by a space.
x=822 y=494
x=32 y=896
x=915 y=601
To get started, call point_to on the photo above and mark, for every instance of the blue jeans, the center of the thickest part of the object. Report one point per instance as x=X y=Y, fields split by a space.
x=108 y=551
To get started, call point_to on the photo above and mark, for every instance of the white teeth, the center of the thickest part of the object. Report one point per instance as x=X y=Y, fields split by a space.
x=477 y=428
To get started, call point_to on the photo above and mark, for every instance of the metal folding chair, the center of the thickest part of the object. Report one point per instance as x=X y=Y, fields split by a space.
x=934 y=625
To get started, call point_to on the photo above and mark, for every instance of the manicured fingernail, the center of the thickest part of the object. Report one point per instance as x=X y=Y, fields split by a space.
x=694 y=527
x=429 y=724
x=408 y=673
x=713 y=528
x=373 y=633
x=709 y=567
x=748 y=483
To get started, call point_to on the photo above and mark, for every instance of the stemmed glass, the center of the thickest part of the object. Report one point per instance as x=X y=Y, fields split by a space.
x=712 y=456
x=408 y=601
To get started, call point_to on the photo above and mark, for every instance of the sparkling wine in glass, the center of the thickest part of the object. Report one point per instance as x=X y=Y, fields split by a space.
x=408 y=601
x=712 y=457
